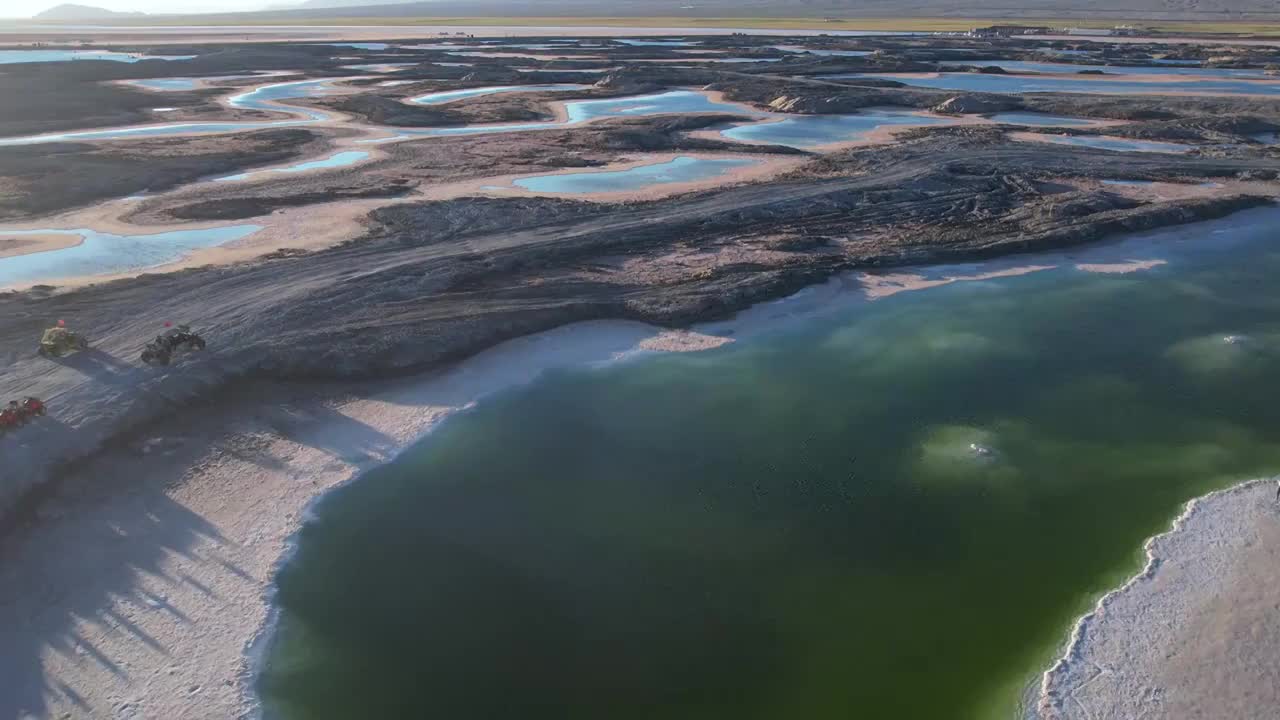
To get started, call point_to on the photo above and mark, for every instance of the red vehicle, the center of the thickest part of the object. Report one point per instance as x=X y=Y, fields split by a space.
x=17 y=414
x=31 y=407
x=10 y=417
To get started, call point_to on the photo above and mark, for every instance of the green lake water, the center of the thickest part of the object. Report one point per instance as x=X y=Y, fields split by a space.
x=893 y=509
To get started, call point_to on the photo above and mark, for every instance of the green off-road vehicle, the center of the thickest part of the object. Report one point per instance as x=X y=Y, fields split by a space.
x=58 y=341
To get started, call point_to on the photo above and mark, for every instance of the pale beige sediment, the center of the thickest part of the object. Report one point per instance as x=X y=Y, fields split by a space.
x=1182 y=190
x=1121 y=268
x=1050 y=138
x=682 y=341
x=1195 y=634
x=14 y=245
x=881 y=285
x=875 y=286
x=1092 y=123
x=465 y=53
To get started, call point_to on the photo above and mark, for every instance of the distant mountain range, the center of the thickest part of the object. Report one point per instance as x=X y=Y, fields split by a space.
x=1096 y=10
x=311 y=4
x=71 y=11
x=1028 y=10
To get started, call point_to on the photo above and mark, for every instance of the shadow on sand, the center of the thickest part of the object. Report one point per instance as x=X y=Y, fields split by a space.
x=98 y=365
x=109 y=547
x=47 y=611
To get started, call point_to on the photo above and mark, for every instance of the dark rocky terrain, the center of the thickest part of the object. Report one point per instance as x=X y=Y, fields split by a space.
x=42 y=179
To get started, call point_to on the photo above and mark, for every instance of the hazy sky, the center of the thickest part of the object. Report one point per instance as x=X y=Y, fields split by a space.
x=27 y=8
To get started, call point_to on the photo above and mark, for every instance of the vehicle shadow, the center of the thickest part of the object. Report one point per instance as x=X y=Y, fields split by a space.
x=334 y=433
x=97 y=365
x=34 y=431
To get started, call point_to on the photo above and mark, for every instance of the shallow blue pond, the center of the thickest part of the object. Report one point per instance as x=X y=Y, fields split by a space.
x=557 y=70
x=827 y=53
x=166 y=84
x=107 y=254
x=341 y=159
x=678 y=170
x=379 y=67
x=805 y=131
x=578 y=111
x=657 y=43
x=1118 y=144
x=261 y=99
x=1066 y=53
x=30 y=56
x=675 y=101
x=360 y=46
x=439 y=98
x=532 y=46
x=734 y=59
x=438 y=46
x=1040 y=119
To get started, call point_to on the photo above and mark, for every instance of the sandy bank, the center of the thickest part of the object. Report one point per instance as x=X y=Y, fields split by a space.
x=1059 y=139
x=1120 y=268
x=1164 y=191
x=1194 y=635
x=14 y=245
